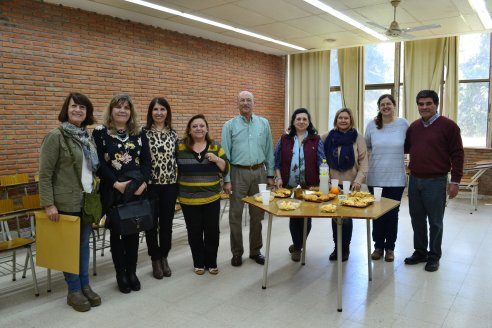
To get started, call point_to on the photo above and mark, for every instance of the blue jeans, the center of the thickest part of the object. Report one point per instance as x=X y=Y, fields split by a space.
x=427 y=200
x=77 y=281
x=385 y=228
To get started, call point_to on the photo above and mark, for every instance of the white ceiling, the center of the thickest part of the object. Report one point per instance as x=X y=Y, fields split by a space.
x=294 y=21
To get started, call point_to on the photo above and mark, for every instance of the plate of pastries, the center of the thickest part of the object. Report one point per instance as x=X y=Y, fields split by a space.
x=328 y=208
x=288 y=204
x=283 y=193
x=358 y=199
x=318 y=197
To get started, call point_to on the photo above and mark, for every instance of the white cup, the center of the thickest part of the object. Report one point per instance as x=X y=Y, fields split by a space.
x=262 y=186
x=265 y=197
x=377 y=193
x=346 y=187
x=334 y=182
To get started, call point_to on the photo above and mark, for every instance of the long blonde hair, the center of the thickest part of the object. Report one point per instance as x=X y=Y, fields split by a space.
x=132 y=125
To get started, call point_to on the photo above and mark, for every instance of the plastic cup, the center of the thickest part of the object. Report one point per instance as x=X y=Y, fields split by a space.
x=346 y=187
x=265 y=197
x=262 y=186
x=334 y=182
x=378 y=191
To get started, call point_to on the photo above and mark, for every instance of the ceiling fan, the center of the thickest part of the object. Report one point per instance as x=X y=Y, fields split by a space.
x=394 y=29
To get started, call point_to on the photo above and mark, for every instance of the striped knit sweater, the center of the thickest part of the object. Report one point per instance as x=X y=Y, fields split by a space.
x=199 y=180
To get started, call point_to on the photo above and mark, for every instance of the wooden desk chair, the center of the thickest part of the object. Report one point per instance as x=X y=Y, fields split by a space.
x=469 y=182
x=8 y=263
x=98 y=236
x=225 y=202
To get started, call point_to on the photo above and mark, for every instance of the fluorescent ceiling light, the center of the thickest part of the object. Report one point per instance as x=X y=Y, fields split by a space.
x=482 y=12
x=211 y=22
x=346 y=19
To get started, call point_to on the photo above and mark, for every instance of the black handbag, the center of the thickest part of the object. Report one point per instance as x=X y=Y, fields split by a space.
x=131 y=217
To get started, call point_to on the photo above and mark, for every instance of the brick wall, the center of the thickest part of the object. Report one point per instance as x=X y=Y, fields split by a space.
x=48 y=51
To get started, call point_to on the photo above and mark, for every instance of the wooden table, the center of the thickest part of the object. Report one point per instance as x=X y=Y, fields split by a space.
x=310 y=209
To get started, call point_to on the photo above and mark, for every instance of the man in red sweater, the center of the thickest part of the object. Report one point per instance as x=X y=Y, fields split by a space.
x=435 y=148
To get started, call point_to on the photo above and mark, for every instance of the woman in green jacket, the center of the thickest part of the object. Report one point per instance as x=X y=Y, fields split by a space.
x=68 y=161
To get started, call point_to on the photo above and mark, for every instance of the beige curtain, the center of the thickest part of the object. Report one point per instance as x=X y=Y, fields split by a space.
x=351 y=66
x=423 y=70
x=309 y=85
x=449 y=106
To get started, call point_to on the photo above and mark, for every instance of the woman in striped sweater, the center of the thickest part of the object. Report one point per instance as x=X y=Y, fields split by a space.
x=201 y=163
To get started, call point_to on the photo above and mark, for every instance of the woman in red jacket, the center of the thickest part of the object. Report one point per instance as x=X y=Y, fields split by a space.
x=298 y=155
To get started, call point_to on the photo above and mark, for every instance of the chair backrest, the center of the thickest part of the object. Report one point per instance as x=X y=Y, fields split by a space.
x=30 y=202
x=8 y=180
x=6 y=205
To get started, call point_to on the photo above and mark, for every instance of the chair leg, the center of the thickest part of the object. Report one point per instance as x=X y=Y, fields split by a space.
x=104 y=242
x=475 y=198
x=226 y=203
x=49 y=281
x=25 y=268
x=33 y=271
x=14 y=266
x=94 y=273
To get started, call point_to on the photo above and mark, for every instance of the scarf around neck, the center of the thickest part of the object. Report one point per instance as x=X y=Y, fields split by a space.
x=81 y=136
x=345 y=141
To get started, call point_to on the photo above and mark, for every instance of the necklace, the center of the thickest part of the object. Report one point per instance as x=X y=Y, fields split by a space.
x=122 y=136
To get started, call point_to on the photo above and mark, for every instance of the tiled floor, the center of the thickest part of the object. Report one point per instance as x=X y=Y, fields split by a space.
x=458 y=295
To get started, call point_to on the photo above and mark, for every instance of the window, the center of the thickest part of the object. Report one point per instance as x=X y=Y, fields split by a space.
x=379 y=68
x=473 y=97
x=335 y=94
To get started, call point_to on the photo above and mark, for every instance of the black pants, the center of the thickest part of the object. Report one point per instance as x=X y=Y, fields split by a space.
x=202 y=223
x=164 y=197
x=385 y=228
x=347 y=227
x=124 y=250
x=296 y=227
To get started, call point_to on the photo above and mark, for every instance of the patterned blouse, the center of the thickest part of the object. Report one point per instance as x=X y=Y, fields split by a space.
x=119 y=156
x=162 y=146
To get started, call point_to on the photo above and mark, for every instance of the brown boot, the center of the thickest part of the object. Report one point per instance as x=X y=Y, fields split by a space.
x=94 y=299
x=166 y=270
x=157 y=269
x=78 y=301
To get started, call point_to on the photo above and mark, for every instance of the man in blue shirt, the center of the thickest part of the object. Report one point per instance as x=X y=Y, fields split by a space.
x=247 y=141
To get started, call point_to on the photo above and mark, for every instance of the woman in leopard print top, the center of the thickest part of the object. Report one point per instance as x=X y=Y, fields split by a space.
x=162 y=185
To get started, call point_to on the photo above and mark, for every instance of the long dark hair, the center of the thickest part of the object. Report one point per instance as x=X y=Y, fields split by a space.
x=169 y=117
x=379 y=118
x=310 y=129
x=187 y=139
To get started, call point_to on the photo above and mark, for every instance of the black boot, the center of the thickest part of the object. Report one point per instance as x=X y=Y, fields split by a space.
x=134 y=282
x=123 y=282
x=345 y=253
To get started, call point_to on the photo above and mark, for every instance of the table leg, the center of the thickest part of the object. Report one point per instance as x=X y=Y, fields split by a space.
x=267 y=251
x=369 y=266
x=304 y=237
x=339 y=263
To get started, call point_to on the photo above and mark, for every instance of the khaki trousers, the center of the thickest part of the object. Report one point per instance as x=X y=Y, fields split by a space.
x=245 y=183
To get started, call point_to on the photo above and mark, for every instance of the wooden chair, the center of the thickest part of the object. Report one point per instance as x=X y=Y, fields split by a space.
x=31 y=202
x=469 y=182
x=8 y=263
x=225 y=204
x=98 y=236
x=8 y=180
